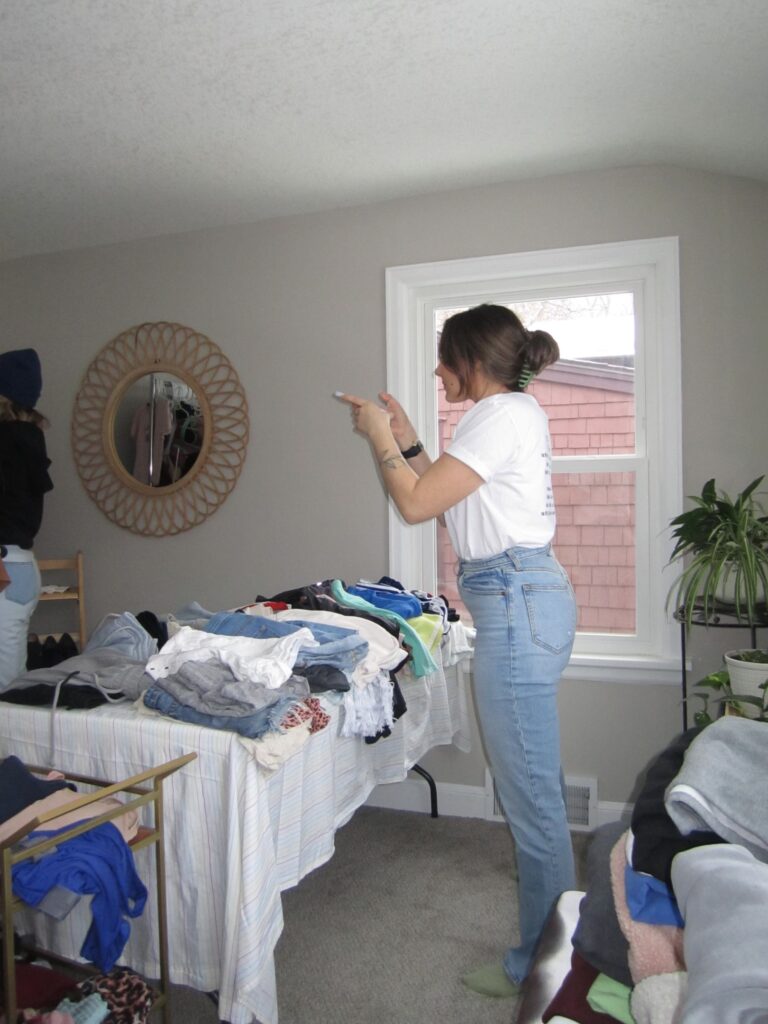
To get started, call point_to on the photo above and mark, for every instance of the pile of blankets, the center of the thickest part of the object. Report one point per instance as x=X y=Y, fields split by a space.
x=673 y=928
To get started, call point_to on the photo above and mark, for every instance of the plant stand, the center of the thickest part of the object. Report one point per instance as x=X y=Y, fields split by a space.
x=723 y=616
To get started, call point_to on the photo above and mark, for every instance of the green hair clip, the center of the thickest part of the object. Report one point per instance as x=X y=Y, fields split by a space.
x=526 y=376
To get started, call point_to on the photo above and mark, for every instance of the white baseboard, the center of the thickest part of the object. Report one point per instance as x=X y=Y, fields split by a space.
x=413 y=795
x=608 y=811
x=459 y=801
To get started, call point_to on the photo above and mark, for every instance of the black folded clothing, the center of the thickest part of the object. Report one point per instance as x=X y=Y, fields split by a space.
x=72 y=696
x=19 y=787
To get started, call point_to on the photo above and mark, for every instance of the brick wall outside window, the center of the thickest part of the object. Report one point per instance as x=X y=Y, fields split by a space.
x=595 y=538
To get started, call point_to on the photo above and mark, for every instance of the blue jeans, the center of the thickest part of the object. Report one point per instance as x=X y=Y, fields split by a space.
x=17 y=603
x=253 y=726
x=523 y=608
x=338 y=646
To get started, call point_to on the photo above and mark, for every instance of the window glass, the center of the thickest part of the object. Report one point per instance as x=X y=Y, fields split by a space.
x=589 y=397
x=613 y=402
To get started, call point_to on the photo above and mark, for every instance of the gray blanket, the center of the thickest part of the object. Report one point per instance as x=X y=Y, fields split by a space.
x=722 y=892
x=723 y=784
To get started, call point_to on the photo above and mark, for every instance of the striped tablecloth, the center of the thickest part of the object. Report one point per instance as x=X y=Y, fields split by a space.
x=235 y=837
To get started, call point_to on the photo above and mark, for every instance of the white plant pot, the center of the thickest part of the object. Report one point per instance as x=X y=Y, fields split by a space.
x=746 y=677
x=725 y=590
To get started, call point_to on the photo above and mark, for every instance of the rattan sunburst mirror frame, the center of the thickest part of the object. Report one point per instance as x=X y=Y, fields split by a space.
x=172 y=348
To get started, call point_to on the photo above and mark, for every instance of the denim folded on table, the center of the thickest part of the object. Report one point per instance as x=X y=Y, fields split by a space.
x=252 y=726
x=338 y=646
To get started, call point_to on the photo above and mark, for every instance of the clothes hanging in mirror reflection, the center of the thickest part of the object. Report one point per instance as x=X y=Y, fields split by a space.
x=177 y=431
x=184 y=443
x=155 y=420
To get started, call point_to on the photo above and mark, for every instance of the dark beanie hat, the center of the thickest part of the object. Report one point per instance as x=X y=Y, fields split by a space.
x=21 y=380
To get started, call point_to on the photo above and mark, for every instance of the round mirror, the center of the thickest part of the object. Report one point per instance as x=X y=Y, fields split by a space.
x=159 y=428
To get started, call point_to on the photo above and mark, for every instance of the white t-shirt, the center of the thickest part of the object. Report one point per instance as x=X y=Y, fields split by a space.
x=505 y=439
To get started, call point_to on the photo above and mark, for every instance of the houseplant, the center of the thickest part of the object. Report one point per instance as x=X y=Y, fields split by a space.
x=747 y=670
x=726 y=543
x=751 y=704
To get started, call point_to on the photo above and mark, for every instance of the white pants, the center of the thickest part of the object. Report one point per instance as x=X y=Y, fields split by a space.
x=17 y=603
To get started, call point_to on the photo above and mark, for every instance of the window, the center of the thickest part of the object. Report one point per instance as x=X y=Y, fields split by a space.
x=613 y=401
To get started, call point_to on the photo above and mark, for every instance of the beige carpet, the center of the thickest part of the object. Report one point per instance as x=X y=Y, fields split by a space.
x=383 y=932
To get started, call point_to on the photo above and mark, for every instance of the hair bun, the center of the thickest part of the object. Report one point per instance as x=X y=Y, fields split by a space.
x=543 y=350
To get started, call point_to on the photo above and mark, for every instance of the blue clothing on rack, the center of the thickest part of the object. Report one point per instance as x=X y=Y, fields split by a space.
x=99 y=863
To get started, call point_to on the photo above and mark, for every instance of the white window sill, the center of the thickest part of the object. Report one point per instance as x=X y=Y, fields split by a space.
x=612 y=669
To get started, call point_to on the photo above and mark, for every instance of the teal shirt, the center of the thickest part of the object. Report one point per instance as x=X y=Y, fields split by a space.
x=422 y=661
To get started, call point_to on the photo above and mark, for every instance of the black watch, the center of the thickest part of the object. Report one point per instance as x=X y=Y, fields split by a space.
x=413 y=451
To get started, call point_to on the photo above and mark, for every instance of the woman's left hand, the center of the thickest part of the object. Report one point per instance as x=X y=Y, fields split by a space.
x=367 y=416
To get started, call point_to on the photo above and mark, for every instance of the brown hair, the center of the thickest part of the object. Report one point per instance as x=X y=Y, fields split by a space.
x=492 y=338
x=10 y=411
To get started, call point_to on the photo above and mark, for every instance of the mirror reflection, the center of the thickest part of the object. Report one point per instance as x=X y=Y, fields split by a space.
x=158 y=429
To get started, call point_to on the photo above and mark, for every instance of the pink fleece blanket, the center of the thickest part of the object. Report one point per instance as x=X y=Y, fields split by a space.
x=653 y=948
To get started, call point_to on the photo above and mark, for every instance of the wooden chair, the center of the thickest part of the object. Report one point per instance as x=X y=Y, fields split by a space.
x=74 y=581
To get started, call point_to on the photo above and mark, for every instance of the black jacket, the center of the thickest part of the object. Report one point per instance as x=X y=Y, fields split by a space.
x=24 y=480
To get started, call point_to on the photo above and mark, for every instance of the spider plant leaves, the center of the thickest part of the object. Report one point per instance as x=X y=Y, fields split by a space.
x=725 y=540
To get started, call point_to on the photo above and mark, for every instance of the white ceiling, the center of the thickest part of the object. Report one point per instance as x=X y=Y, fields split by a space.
x=123 y=119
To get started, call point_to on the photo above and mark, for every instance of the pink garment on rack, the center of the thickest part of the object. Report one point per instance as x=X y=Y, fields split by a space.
x=127 y=824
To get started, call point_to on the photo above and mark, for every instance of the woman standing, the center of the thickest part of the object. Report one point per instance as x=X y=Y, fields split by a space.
x=24 y=480
x=493 y=483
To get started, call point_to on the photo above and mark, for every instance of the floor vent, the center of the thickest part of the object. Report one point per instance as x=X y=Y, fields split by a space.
x=580 y=802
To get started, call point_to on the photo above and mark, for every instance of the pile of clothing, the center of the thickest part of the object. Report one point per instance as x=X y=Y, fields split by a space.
x=674 y=924
x=98 y=863
x=260 y=670
x=48 y=996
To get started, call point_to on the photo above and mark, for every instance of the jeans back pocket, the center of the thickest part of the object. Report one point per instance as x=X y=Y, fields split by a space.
x=551 y=611
x=24 y=582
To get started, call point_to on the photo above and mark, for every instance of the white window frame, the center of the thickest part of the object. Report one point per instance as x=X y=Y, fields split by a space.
x=648 y=268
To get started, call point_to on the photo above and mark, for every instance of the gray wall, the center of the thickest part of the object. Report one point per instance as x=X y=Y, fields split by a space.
x=298 y=306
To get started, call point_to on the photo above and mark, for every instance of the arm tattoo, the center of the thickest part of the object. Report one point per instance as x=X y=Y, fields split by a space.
x=392 y=461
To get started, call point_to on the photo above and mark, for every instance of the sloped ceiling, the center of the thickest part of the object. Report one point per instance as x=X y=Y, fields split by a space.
x=122 y=119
